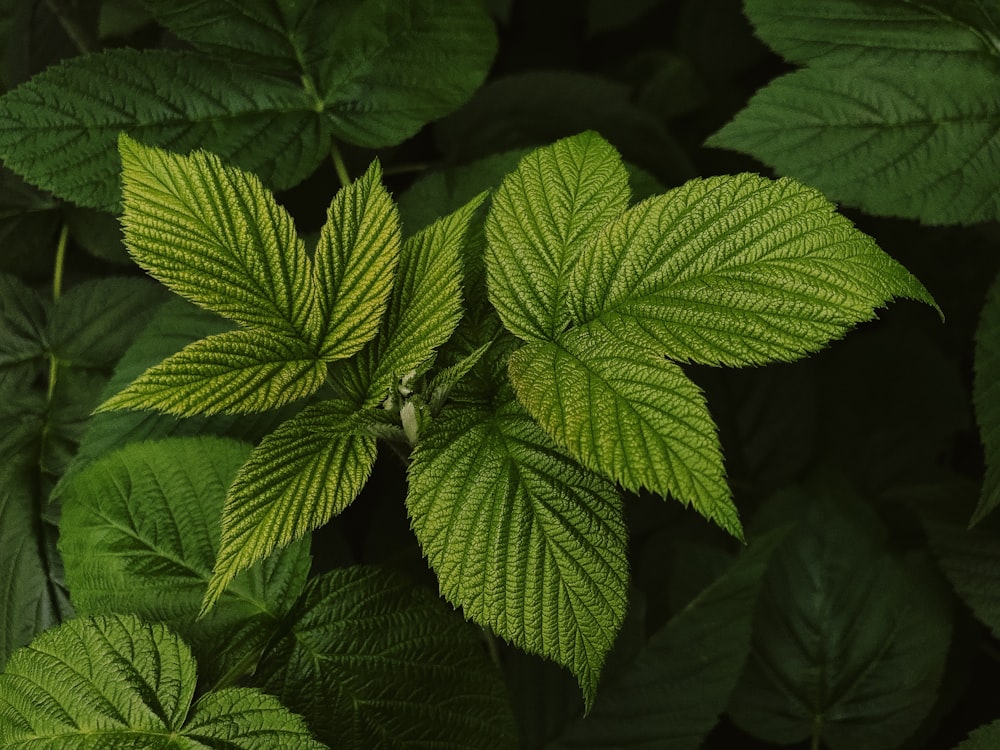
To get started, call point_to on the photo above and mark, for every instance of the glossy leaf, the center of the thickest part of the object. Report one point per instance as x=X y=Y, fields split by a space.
x=308 y=470
x=371 y=661
x=139 y=534
x=521 y=537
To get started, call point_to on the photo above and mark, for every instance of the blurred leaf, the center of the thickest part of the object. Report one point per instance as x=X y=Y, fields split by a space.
x=986 y=737
x=986 y=397
x=611 y=15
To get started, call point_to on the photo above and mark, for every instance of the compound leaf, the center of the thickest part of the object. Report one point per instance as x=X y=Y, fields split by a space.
x=355 y=262
x=894 y=113
x=308 y=470
x=542 y=216
x=120 y=682
x=525 y=540
x=146 y=519
x=236 y=372
x=986 y=398
x=627 y=413
x=214 y=235
x=372 y=661
x=59 y=129
x=734 y=270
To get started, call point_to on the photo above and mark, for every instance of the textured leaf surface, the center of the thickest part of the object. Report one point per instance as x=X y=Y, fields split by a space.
x=214 y=235
x=895 y=113
x=521 y=537
x=735 y=270
x=985 y=737
x=59 y=130
x=22 y=339
x=850 y=640
x=372 y=661
x=627 y=413
x=117 y=682
x=236 y=372
x=672 y=694
x=986 y=398
x=355 y=262
x=542 y=216
x=145 y=520
x=302 y=474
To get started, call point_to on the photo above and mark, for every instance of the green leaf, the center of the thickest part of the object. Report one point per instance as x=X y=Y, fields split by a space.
x=302 y=474
x=985 y=737
x=521 y=537
x=423 y=311
x=734 y=270
x=139 y=535
x=850 y=639
x=371 y=661
x=629 y=414
x=671 y=695
x=22 y=334
x=542 y=216
x=894 y=113
x=355 y=262
x=119 y=682
x=214 y=235
x=236 y=372
x=59 y=130
x=29 y=227
x=986 y=398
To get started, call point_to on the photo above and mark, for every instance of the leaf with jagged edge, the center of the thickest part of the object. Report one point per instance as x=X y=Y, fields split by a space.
x=354 y=264
x=308 y=470
x=986 y=737
x=986 y=398
x=424 y=307
x=59 y=129
x=542 y=216
x=372 y=661
x=734 y=270
x=894 y=113
x=236 y=372
x=146 y=519
x=524 y=539
x=213 y=234
x=117 y=682
x=628 y=414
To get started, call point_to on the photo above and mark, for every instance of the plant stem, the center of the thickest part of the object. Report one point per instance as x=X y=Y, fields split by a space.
x=338 y=164
x=57 y=279
x=83 y=40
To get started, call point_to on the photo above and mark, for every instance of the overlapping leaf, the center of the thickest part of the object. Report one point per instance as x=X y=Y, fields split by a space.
x=145 y=520
x=894 y=112
x=521 y=537
x=984 y=738
x=986 y=395
x=373 y=662
x=309 y=469
x=120 y=682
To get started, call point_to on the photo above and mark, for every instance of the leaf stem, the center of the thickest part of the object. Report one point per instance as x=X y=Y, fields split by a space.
x=57 y=280
x=338 y=164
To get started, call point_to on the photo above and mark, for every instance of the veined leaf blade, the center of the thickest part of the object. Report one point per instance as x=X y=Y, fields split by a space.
x=308 y=470
x=735 y=270
x=520 y=536
x=541 y=217
x=59 y=129
x=355 y=263
x=235 y=372
x=627 y=414
x=215 y=235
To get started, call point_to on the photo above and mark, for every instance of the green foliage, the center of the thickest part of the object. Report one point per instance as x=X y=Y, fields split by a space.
x=987 y=399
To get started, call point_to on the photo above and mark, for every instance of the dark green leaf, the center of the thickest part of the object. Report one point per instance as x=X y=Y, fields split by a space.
x=986 y=396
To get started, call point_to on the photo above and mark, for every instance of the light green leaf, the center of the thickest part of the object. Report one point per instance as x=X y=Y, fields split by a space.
x=59 y=129
x=850 y=637
x=671 y=695
x=521 y=537
x=355 y=263
x=895 y=113
x=302 y=474
x=236 y=372
x=372 y=661
x=139 y=534
x=629 y=414
x=423 y=310
x=542 y=216
x=214 y=235
x=734 y=270
x=986 y=398
x=118 y=682
x=985 y=737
